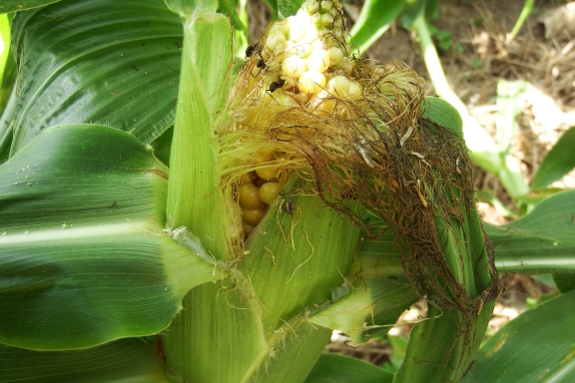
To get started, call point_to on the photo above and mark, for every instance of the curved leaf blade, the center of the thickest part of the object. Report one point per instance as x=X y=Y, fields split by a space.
x=334 y=368
x=83 y=258
x=376 y=292
x=20 y=5
x=107 y=62
x=124 y=361
x=534 y=347
x=374 y=20
x=541 y=242
x=558 y=162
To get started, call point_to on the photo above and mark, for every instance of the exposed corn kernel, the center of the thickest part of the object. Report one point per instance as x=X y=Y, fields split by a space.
x=279 y=101
x=354 y=90
x=335 y=56
x=250 y=197
x=311 y=82
x=326 y=6
x=311 y=7
x=311 y=32
x=318 y=45
x=268 y=173
x=269 y=191
x=264 y=155
x=326 y=19
x=318 y=61
x=248 y=228
x=246 y=179
x=294 y=66
x=254 y=216
x=298 y=25
x=274 y=39
x=301 y=98
x=346 y=66
x=339 y=86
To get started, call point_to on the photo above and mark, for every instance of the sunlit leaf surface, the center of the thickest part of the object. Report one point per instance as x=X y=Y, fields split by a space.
x=537 y=346
x=110 y=62
x=83 y=258
x=124 y=361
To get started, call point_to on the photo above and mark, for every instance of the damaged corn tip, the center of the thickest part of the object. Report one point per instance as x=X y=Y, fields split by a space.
x=300 y=62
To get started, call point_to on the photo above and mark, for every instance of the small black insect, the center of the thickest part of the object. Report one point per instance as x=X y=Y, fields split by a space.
x=250 y=50
x=289 y=207
x=276 y=85
x=261 y=63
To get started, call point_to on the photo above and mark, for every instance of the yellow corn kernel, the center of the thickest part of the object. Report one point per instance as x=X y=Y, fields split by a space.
x=311 y=7
x=268 y=173
x=303 y=50
x=326 y=6
x=311 y=82
x=246 y=179
x=289 y=82
x=298 y=25
x=282 y=26
x=274 y=39
x=248 y=228
x=318 y=61
x=335 y=56
x=250 y=197
x=339 y=86
x=355 y=90
x=347 y=66
x=319 y=45
x=269 y=191
x=264 y=155
x=254 y=216
x=294 y=66
x=311 y=32
x=279 y=101
x=301 y=98
x=321 y=102
x=319 y=19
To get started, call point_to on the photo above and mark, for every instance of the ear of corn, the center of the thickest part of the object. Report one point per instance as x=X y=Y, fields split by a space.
x=352 y=134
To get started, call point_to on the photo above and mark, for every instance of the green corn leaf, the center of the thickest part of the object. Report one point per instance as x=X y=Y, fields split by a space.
x=541 y=242
x=21 y=5
x=373 y=296
x=374 y=20
x=510 y=102
x=333 y=368
x=110 y=62
x=83 y=255
x=534 y=347
x=6 y=127
x=558 y=162
x=273 y=4
x=7 y=62
x=123 y=361
x=286 y=8
x=564 y=282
